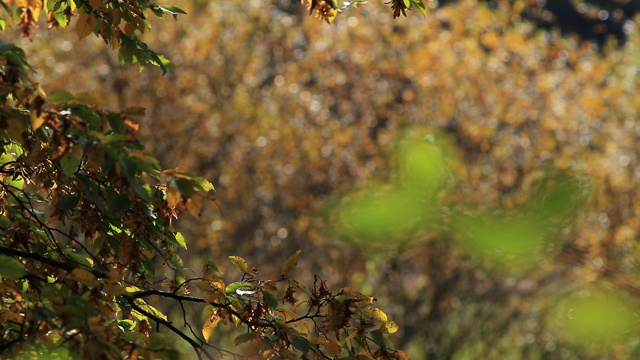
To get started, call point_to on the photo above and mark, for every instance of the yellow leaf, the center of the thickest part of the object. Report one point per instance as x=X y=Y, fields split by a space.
x=375 y=313
x=291 y=263
x=150 y=309
x=389 y=327
x=84 y=26
x=84 y=277
x=36 y=121
x=240 y=263
x=211 y=320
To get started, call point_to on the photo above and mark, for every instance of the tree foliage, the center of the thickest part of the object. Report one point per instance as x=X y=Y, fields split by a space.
x=88 y=249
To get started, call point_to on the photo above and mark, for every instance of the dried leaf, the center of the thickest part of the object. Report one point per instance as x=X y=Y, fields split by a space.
x=84 y=26
x=194 y=204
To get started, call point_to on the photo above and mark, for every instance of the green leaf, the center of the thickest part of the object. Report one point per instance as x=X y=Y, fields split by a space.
x=212 y=266
x=272 y=301
x=77 y=258
x=127 y=324
x=180 y=240
x=407 y=3
x=233 y=287
x=157 y=341
x=69 y=163
x=301 y=344
x=11 y=268
x=67 y=202
x=60 y=97
x=172 y=10
x=184 y=186
x=87 y=115
x=420 y=5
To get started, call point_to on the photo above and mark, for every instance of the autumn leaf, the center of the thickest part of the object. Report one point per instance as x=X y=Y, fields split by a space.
x=84 y=26
x=211 y=319
x=389 y=327
x=246 y=337
x=84 y=277
x=291 y=263
x=375 y=313
x=240 y=263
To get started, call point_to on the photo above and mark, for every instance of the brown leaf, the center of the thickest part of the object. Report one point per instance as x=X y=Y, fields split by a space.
x=84 y=26
x=194 y=204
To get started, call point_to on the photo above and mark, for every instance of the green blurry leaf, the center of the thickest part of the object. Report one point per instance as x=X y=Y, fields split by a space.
x=381 y=215
x=301 y=343
x=70 y=163
x=157 y=341
x=593 y=315
x=271 y=300
x=11 y=268
x=67 y=202
x=60 y=97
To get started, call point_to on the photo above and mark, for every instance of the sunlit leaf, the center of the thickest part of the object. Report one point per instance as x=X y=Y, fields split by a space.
x=240 y=263
x=180 y=240
x=211 y=319
x=389 y=327
x=375 y=313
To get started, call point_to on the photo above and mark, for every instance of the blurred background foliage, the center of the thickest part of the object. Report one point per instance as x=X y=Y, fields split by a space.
x=470 y=169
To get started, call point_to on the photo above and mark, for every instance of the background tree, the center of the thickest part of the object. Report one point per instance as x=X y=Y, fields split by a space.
x=87 y=246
